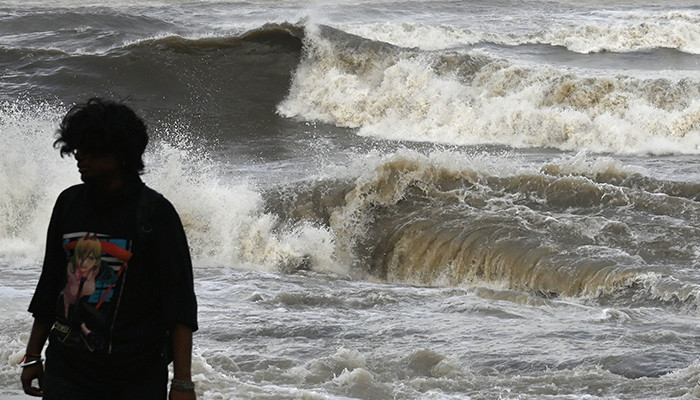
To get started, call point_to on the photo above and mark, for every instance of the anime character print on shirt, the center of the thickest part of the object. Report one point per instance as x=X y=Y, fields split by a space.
x=94 y=265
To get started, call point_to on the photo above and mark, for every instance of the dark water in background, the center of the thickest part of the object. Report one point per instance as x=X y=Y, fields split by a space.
x=229 y=86
x=395 y=199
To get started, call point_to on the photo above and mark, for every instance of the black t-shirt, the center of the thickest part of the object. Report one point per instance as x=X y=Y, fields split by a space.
x=114 y=288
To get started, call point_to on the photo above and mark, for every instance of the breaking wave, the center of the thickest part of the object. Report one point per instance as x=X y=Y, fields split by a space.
x=670 y=31
x=575 y=226
x=318 y=73
x=393 y=93
x=447 y=220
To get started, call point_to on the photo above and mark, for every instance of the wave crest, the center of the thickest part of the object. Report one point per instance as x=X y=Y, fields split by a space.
x=393 y=93
x=679 y=31
x=446 y=220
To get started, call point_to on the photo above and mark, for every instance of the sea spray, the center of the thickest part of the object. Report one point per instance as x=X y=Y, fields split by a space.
x=32 y=174
x=226 y=223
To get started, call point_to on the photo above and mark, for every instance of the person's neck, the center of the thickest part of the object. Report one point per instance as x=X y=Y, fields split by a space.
x=113 y=185
x=110 y=185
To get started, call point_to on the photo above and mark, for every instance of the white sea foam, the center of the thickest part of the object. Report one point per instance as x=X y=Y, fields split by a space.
x=225 y=221
x=402 y=96
x=627 y=32
x=585 y=164
x=422 y=36
x=625 y=37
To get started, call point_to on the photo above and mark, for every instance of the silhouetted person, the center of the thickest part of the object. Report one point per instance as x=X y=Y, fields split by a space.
x=116 y=297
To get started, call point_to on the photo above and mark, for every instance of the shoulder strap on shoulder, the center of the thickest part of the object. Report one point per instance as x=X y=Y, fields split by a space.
x=144 y=211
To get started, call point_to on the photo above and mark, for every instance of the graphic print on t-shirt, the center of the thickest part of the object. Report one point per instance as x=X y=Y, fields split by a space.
x=95 y=263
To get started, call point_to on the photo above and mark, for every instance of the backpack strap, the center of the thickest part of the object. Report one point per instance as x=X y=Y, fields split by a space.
x=144 y=212
x=148 y=198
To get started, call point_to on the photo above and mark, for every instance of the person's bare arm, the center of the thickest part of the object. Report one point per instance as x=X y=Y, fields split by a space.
x=37 y=339
x=182 y=361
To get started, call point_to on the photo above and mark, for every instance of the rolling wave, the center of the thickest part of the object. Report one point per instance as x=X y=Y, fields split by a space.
x=233 y=82
x=318 y=73
x=442 y=220
x=575 y=226
x=395 y=93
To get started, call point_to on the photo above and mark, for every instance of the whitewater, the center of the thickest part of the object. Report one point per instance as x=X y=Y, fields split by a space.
x=390 y=199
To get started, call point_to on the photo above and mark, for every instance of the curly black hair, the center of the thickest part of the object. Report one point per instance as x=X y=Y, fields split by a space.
x=104 y=127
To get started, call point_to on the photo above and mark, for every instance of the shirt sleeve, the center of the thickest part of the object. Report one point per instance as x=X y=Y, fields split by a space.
x=53 y=272
x=180 y=299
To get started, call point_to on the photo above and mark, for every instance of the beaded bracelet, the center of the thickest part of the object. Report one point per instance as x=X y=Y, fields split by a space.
x=181 y=386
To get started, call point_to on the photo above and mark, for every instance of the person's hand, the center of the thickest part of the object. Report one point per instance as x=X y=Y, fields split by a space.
x=180 y=395
x=30 y=373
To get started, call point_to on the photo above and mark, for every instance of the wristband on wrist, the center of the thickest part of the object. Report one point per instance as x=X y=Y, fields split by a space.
x=181 y=386
x=24 y=363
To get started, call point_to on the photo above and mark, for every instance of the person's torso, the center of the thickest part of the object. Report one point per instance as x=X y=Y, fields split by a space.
x=109 y=306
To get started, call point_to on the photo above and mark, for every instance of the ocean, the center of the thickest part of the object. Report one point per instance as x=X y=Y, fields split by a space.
x=390 y=199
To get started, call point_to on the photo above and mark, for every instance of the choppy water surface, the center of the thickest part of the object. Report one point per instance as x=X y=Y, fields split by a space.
x=409 y=200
